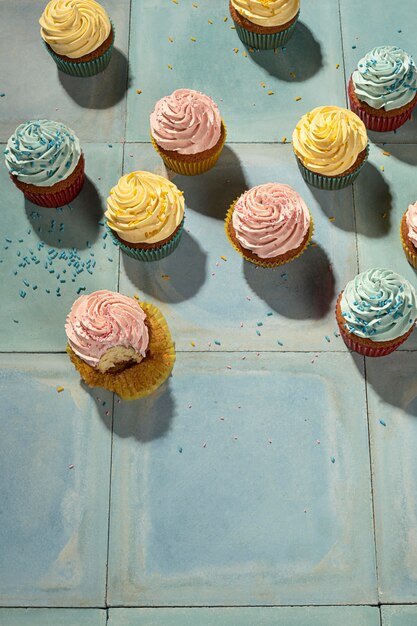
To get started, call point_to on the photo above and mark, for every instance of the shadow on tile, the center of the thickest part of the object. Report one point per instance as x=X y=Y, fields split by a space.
x=212 y=193
x=186 y=268
x=397 y=151
x=80 y=220
x=308 y=288
x=373 y=201
x=102 y=91
x=333 y=204
x=301 y=60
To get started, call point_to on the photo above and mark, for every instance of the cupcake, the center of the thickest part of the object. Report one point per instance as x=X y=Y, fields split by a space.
x=78 y=35
x=383 y=88
x=376 y=312
x=269 y=225
x=45 y=161
x=120 y=344
x=331 y=147
x=145 y=215
x=187 y=131
x=408 y=234
x=264 y=24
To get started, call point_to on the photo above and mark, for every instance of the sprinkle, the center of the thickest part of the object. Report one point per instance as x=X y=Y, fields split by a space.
x=195 y=5
x=259 y=323
x=382 y=422
x=245 y=54
x=228 y=367
x=16 y=321
x=22 y=293
x=298 y=98
x=241 y=324
x=382 y=168
x=269 y=313
x=221 y=418
x=2 y=95
x=284 y=139
x=337 y=66
x=269 y=440
x=270 y=93
x=327 y=338
x=292 y=75
x=193 y=344
x=71 y=466
x=248 y=298
x=258 y=332
x=235 y=50
x=233 y=27
x=217 y=342
x=263 y=85
x=225 y=19
x=170 y=66
x=280 y=343
x=204 y=444
x=223 y=258
x=243 y=358
x=318 y=442
x=110 y=145
x=179 y=449
x=193 y=39
x=59 y=389
x=166 y=276
x=174 y=1
x=332 y=219
x=385 y=153
x=170 y=39
x=210 y=22
x=333 y=460
x=139 y=91
x=235 y=438
x=353 y=47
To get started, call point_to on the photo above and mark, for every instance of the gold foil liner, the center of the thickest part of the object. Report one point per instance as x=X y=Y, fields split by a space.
x=259 y=261
x=141 y=379
x=191 y=168
x=411 y=256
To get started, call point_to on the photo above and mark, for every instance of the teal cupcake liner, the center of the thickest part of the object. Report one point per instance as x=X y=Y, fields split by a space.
x=149 y=254
x=87 y=68
x=330 y=183
x=265 y=41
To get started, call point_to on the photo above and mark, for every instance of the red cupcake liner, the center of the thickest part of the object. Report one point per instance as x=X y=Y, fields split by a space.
x=379 y=123
x=57 y=199
x=368 y=350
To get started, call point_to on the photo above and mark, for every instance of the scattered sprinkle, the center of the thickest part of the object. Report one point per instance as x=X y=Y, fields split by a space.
x=166 y=276
x=298 y=98
x=223 y=258
x=235 y=50
x=269 y=313
x=385 y=153
x=59 y=389
x=71 y=466
x=318 y=442
x=337 y=66
x=170 y=39
x=210 y=22
x=269 y=440
x=333 y=460
x=179 y=449
x=221 y=418
x=204 y=444
x=332 y=219
x=170 y=66
x=258 y=332
x=193 y=344
x=280 y=343
x=228 y=367
x=193 y=39
x=225 y=19
x=382 y=168
x=270 y=93
x=217 y=342
x=139 y=91
x=382 y=422
x=284 y=139
x=327 y=338
x=353 y=47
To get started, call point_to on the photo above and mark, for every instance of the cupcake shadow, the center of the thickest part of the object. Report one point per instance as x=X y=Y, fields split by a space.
x=212 y=193
x=301 y=289
x=373 y=202
x=174 y=279
x=72 y=226
x=403 y=152
x=300 y=59
x=102 y=91
x=337 y=205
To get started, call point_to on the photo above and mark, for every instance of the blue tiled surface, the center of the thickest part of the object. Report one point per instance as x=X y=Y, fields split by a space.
x=163 y=506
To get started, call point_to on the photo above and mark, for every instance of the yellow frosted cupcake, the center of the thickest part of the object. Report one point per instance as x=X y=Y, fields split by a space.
x=78 y=35
x=145 y=215
x=331 y=147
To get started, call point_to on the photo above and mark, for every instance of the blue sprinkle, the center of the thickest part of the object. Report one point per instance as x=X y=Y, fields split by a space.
x=110 y=259
x=34 y=287
x=327 y=338
x=333 y=460
x=280 y=343
x=8 y=240
x=179 y=449
x=22 y=293
x=269 y=313
x=259 y=324
x=2 y=95
x=258 y=332
x=48 y=290
x=25 y=282
x=80 y=289
x=16 y=321
x=353 y=47
x=217 y=342
x=382 y=423
x=110 y=145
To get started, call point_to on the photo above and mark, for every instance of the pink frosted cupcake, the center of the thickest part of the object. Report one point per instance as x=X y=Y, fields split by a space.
x=187 y=131
x=408 y=234
x=269 y=225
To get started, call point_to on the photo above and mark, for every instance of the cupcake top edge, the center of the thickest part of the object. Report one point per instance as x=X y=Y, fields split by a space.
x=267 y=13
x=379 y=304
x=411 y=220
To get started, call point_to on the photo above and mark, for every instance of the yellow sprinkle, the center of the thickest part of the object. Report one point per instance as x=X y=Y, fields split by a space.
x=193 y=344
x=275 y=50
x=384 y=216
x=337 y=66
x=195 y=5
x=386 y=153
x=135 y=295
x=270 y=93
x=225 y=19
x=292 y=74
x=262 y=84
x=223 y=258
x=170 y=67
x=193 y=39
x=138 y=90
x=332 y=219
x=245 y=54
x=233 y=27
x=382 y=168
x=284 y=139
x=59 y=389
x=170 y=40
x=174 y=1
x=298 y=98
x=313 y=245
x=235 y=50
x=251 y=50
x=210 y=22
x=166 y=276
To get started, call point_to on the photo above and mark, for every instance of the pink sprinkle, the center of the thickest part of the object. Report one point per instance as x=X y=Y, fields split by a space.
x=269 y=440
x=305 y=510
x=235 y=438
x=243 y=358
x=189 y=406
x=229 y=367
x=118 y=401
x=258 y=354
x=238 y=406
x=107 y=412
x=318 y=441
x=213 y=273
x=209 y=344
x=71 y=466
x=204 y=444
x=241 y=324
x=217 y=264
x=312 y=360
x=248 y=298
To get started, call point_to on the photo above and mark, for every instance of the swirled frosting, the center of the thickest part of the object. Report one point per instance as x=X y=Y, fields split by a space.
x=267 y=13
x=379 y=305
x=74 y=28
x=271 y=219
x=386 y=78
x=42 y=152
x=328 y=140
x=144 y=208
x=103 y=320
x=187 y=122
x=411 y=220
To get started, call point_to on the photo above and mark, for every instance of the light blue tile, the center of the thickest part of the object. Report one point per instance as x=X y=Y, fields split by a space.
x=381 y=198
x=25 y=226
x=399 y=615
x=55 y=469
x=360 y=36
x=392 y=397
x=285 y=616
x=207 y=298
x=52 y=617
x=93 y=107
x=251 y=509
x=232 y=80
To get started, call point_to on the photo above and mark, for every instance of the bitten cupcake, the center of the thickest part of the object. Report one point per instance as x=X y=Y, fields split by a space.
x=376 y=312
x=264 y=24
x=408 y=234
x=145 y=215
x=331 y=146
x=383 y=88
x=187 y=131
x=120 y=344
x=269 y=225
x=45 y=161
x=78 y=35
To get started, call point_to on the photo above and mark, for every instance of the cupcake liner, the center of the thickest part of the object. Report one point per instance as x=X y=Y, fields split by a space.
x=140 y=379
x=330 y=183
x=379 y=123
x=409 y=252
x=57 y=199
x=84 y=69
x=262 y=41
x=150 y=254
x=190 y=168
x=259 y=261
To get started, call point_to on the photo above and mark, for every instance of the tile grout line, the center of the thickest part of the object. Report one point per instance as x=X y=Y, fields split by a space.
x=343 y=51
x=109 y=509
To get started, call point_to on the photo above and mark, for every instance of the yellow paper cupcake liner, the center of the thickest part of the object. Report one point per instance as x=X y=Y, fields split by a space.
x=191 y=168
x=259 y=261
x=411 y=256
x=143 y=378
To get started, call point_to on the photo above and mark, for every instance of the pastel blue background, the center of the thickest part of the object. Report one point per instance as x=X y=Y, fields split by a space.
x=298 y=508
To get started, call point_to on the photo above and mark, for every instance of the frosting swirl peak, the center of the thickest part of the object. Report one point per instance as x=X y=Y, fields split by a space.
x=187 y=122
x=267 y=13
x=329 y=139
x=270 y=220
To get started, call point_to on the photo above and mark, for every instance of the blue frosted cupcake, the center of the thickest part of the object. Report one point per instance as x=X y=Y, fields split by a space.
x=264 y=24
x=145 y=215
x=79 y=36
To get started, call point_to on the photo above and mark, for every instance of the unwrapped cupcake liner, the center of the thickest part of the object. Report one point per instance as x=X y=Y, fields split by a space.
x=264 y=262
x=409 y=252
x=84 y=69
x=141 y=379
x=190 y=168
x=57 y=199
x=379 y=123
x=262 y=41
x=150 y=254
x=331 y=183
